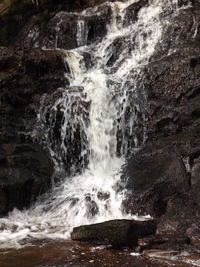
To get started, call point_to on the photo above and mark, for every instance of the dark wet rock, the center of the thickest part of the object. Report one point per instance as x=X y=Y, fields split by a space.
x=91 y=207
x=97 y=25
x=103 y=195
x=70 y=149
x=24 y=78
x=177 y=202
x=67 y=31
x=195 y=170
x=152 y=178
x=182 y=3
x=26 y=175
x=182 y=218
x=183 y=30
x=25 y=166
x=165 y=242
x=132 y=114
x=150 y=242
x=118 y=233
x=131 y=12
x=2 y=156
x=171 y=85
x=173 y=98
x=118 y=51
x=14 y=16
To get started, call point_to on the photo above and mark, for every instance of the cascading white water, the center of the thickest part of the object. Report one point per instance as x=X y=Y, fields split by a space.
x=106 y=85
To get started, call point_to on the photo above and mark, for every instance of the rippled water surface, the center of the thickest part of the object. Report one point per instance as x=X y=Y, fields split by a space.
x=69 y=253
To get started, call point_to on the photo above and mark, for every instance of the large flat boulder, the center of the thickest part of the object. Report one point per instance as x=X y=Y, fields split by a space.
x=118 y=233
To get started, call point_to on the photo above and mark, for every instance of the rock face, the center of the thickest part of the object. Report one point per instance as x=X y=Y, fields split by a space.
x=68 y=140
x=153 y=177
x=68 y=31
x=163 y=177
x=24 y=175
x=133 y=10
x=15 y=14
x=25 y=166
x=118 y=233
x=27 y=74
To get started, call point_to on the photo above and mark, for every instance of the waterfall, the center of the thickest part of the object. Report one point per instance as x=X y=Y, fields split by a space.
x=91 y=125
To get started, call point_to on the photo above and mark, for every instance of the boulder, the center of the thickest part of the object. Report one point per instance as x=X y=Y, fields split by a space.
x=182 y=217
x=152 y=177
x=25 y=175
x=118 y=233
x=182 y=3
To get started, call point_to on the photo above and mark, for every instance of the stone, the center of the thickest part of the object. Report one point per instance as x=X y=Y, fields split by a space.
x=63 y=30
x=25 y=176
x=19 y=19
x=25 y=165
x=131 y=12
x=185 y=2
x=118 y=233
x=175 y=36
x=150 y=242
x=152 y=177
x=2 y=156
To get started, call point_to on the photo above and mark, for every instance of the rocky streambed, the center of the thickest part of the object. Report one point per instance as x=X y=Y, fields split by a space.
x=64 y=254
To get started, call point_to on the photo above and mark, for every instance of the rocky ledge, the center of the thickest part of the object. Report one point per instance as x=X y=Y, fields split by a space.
x=118 y=233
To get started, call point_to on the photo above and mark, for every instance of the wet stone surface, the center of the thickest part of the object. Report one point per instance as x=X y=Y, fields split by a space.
x=68 y=253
